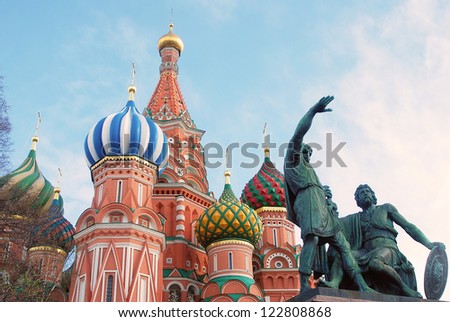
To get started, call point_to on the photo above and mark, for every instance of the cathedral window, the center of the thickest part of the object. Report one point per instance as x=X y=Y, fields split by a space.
x=230 y=260
x=82 y=289
x=143 y=289
x=119 y=191
x=140 y=189
x=174 y=293
x=54 y=264
x=109 y=289
x=41 y=265
x=100 y=194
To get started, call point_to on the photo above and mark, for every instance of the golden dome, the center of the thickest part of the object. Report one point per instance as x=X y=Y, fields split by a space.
x=170 y=40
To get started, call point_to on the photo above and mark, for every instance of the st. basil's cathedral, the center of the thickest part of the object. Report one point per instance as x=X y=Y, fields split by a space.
x=154 y=232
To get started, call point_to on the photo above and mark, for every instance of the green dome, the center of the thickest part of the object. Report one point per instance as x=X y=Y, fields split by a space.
x=228 y=218
x=25 y=189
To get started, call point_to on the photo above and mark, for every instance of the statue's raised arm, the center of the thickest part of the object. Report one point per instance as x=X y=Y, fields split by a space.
x=305 y=122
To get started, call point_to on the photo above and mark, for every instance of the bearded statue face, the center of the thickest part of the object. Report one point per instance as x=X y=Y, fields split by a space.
x=365 y=196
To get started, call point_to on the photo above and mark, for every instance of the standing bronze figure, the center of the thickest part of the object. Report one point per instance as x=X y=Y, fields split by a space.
x=306 y=207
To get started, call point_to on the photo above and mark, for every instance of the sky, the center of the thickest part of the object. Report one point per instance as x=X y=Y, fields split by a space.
x=247 y=63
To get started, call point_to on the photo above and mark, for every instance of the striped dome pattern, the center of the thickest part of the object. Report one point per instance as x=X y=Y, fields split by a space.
x=26 y=187
x=266 y=188
x=55 y=228
x=127 y=133
x=228 y=218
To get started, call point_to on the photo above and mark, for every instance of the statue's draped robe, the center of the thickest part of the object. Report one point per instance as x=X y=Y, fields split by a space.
x=353 y=229
x=305 y=199
x=306 y=204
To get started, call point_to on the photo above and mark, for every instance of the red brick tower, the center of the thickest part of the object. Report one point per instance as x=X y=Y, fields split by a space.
x=182 y=191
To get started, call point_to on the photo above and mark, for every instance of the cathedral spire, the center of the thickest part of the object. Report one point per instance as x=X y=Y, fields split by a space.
x=167 y=102
x=266 y=147
x=132 y=87
x=35 y=138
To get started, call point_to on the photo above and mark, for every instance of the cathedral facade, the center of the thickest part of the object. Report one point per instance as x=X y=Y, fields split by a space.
x=154 y=231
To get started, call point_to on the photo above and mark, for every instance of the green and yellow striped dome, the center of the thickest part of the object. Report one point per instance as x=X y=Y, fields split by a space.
x=26 y=191
x=228 y=218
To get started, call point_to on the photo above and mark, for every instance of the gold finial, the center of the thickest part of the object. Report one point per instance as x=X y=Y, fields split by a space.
x=57 y=189
x=227 y=175
x=266 y=148
x=227 y=171
x=35 y=138
x=132 y=88
x=56 y=192
x=171 y=27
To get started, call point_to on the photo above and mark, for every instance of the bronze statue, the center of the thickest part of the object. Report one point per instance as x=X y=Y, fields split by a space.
x=306 y=207
x=372 y=236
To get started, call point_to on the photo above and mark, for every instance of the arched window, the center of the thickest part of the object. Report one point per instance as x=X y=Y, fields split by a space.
x=174 y=293
x=191 y=293
x=275 y=238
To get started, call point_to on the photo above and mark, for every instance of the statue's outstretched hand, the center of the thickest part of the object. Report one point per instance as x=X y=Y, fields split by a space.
x=321 y=105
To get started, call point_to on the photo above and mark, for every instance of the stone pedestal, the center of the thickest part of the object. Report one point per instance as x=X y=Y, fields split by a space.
x=322 y=294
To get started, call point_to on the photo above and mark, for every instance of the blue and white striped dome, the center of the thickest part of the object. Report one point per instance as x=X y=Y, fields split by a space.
x=127 y=133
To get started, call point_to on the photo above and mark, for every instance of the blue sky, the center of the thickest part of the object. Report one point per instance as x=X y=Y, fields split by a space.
x=246 y=63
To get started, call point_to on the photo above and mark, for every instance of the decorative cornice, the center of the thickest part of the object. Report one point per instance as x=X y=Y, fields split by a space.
x=118 y=230
x=184 y=190
x=49 y=249
x=8 y=217
x=124 y=158
x=229 y=242
x=274 y=209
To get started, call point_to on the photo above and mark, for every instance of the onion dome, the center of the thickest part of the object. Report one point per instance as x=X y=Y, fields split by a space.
x=170 y=40
x=54 y=227
x=266 y=188
x=127 y=133
x=25 y=191
x=228 y=218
